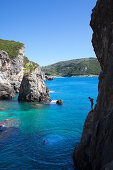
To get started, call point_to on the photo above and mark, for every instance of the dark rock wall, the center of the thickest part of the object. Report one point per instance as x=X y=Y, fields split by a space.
x=95 y=150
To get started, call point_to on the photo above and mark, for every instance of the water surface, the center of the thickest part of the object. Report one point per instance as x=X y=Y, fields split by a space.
x=27 y=125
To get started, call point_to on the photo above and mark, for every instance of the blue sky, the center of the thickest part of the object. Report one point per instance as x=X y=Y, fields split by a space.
x=52 y=30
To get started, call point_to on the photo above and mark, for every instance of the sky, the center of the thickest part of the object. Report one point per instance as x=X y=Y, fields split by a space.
x=52 y=30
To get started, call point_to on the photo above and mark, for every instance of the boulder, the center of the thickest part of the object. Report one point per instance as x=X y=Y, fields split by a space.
x=33 y=88
x=49 y=77
x=59 y=101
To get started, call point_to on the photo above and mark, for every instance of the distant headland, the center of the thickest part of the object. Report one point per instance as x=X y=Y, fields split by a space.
x=84 y=67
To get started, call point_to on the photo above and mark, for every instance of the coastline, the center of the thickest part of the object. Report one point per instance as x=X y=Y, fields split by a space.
x=77 y=76
x=86 y=76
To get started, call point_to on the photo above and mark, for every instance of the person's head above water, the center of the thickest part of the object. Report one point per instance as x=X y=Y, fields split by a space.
x=89 y=97
x=44 y=141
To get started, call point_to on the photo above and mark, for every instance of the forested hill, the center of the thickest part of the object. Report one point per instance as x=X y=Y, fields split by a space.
x=83 y=66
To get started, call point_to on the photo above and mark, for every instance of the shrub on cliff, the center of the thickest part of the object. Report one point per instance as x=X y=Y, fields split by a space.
x=11 y=47
x=28 y=69
x=27 y=61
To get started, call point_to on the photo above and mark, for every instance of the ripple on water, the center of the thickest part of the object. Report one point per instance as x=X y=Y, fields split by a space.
x=22 y=146
x=53 y=139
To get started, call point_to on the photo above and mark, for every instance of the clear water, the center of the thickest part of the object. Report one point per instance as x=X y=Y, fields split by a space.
x=28 y=124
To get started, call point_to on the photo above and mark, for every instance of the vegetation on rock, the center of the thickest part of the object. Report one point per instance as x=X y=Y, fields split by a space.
x=29 y=66
x=11 y=47
x=28 y=69
x=26 y=61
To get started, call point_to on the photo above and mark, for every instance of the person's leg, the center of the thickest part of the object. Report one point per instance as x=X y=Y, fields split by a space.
x=91 y=105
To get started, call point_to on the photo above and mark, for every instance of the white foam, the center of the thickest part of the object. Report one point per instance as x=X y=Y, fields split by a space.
x=52 y=91
x=53 y=101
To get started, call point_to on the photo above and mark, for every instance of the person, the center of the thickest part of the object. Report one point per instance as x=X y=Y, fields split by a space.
x=91 y=100
x=44 y=141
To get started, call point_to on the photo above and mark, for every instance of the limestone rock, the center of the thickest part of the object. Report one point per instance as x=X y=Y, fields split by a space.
x=33 y=88
x=95 y=149
x=11 y=71
x=6 y=91
x=49 y=77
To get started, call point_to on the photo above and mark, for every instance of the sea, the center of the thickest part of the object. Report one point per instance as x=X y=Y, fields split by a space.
x=43 y=136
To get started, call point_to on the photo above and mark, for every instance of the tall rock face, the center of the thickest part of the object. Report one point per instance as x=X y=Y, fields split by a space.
x=11 y=73
x=16 y=70
x=33 y=88
x=95 y=151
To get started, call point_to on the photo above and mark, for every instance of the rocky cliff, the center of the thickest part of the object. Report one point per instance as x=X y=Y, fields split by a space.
x=95 y=149
x=33 y=88
x=13 y=66
x=11 y=73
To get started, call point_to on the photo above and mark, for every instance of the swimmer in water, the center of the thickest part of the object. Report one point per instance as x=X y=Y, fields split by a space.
x=44 y=141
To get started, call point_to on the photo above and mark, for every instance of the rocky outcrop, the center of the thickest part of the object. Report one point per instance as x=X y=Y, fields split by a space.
x=59 y=102
x=33 y=88
x=95 y=149
x=49 y=77
x=11 y=71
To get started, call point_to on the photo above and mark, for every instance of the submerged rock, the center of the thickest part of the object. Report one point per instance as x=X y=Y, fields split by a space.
x=2 y=128
x=95 y=149
x=33 y=88
x=59 y=101
x=10 y=123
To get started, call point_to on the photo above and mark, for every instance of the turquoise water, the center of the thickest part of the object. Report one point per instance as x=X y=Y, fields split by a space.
x=28 y=124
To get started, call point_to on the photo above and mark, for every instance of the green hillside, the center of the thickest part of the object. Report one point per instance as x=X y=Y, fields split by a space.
x=11 y=47
x=84 y=66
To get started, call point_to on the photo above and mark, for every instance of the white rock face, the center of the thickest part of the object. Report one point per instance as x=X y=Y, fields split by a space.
x=11 y=71
x=6 y=91
x=32 y=88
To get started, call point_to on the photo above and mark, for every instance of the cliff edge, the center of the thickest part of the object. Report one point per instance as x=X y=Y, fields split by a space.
x=95 y=149
x=13 y=69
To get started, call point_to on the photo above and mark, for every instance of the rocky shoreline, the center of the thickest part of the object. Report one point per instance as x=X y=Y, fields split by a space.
x=86 y=76
x=16 y=76
x=79 y=76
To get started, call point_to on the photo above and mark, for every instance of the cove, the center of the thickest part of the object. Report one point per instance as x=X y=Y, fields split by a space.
x=28 y=124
